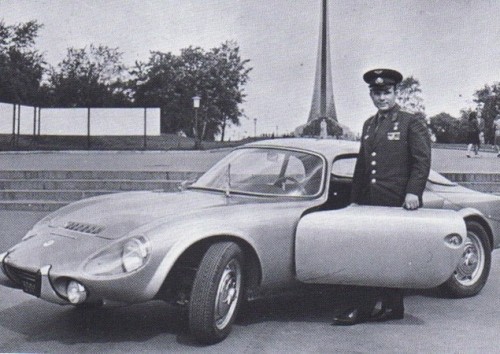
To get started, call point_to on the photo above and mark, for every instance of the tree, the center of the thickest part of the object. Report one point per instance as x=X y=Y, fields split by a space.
x=170 y=81
x=21 y=65
x=92 y=77
x=447 y=129
x=489 y=98
x=410 y=96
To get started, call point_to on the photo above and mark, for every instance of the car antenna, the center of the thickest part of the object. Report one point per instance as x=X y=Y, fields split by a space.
x=228 y=180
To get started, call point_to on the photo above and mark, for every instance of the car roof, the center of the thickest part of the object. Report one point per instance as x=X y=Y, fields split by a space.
x=330 y=148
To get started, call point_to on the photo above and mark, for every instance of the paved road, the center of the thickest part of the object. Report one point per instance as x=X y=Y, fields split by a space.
x=443 y=160
x=288 y=324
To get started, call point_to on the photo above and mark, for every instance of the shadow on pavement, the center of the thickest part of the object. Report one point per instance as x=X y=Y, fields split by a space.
x=38 y=321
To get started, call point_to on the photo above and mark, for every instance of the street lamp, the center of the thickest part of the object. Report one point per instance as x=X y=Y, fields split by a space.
x=255 y=127
x=196 y=105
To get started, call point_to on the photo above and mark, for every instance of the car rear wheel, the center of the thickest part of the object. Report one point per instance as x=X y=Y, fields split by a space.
x=474 y=267
x=217 y=292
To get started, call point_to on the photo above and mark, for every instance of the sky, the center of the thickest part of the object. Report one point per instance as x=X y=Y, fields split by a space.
x=451 y=46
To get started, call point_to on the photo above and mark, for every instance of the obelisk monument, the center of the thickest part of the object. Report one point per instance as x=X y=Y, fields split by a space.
x=323 y=105
x=322 y=121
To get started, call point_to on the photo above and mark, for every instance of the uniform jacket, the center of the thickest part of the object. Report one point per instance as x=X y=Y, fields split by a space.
x=394 y=159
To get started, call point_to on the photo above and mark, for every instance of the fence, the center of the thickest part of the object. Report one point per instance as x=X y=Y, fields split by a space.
x=27 y=120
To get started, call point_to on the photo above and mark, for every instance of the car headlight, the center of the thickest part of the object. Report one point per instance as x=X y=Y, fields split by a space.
x=122 y=257
x=76 y=292
x=134 y=255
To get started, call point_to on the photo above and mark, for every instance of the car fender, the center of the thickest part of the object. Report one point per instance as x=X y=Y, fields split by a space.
x=489 y=224
x=196 y=235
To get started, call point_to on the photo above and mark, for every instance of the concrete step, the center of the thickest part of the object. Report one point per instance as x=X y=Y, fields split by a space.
x=98 y=174
x=32 y=205
x=54 y=195
x=46 y=190
x=481 y=182
x=484 y=187
x=50 y=190
x=473 y=177
x=88 y=184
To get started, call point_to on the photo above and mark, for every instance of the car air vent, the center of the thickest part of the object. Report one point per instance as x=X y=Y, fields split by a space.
x=84 y=228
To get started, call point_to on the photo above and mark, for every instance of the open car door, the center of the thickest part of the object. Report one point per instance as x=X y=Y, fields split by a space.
x=379 y=246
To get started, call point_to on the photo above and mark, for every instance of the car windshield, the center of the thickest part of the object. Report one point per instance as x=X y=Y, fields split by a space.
x=266 y=171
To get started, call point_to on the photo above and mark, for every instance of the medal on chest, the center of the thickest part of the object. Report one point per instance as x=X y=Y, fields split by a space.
x=395 y=134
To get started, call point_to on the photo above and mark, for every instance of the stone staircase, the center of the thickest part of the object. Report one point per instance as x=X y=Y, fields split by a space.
x=481 y=182
x=50 y=190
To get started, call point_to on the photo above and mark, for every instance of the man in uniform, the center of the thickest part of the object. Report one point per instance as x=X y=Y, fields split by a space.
x=392 y=169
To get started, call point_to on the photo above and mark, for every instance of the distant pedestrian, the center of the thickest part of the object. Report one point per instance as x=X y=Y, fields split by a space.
x=496 y=128
x=473 y=134
x=481 y=125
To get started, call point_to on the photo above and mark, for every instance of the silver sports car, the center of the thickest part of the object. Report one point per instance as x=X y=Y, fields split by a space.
x=270 y=215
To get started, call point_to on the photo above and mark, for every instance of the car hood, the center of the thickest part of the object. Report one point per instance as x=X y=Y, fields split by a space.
x=68 y=236
x=115 y=215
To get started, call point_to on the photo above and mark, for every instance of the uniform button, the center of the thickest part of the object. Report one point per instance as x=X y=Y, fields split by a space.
x=374 y=171
x=374 y=181
x=374 y=154
x=374 y=163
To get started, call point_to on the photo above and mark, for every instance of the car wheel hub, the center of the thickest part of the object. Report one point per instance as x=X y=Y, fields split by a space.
x=227 y=294
x=472 y=263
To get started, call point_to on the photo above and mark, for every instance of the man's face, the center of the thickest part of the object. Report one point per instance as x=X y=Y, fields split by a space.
x=384 y=98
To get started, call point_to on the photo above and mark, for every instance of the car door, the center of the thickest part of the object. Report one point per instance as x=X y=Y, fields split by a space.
x=379 y=246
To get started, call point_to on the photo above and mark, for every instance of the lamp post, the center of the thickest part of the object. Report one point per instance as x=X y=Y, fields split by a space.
x=196 y=105
x=255 y=127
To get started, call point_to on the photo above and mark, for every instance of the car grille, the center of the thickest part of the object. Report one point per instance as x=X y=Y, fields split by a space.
x=84 y=228
x=29 y=281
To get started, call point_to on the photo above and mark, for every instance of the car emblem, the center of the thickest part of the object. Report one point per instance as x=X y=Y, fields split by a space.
x=48 y=243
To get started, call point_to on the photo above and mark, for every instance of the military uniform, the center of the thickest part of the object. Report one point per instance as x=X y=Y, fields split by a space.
x=394 y=159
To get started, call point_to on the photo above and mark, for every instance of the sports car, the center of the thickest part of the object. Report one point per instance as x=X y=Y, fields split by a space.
x=270 y=215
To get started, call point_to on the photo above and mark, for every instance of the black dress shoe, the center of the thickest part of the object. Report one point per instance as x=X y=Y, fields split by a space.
x=350 y=317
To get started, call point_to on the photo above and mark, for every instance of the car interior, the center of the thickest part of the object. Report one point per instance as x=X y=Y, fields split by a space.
x=339 y=192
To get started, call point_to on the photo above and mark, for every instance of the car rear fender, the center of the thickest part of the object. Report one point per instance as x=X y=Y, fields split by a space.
x=491 y=227
x=379 y=246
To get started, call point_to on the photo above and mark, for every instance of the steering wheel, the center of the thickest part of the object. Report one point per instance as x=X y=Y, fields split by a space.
x=282 y=180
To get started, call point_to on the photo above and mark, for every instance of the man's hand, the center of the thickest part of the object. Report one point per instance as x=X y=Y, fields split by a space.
x=411 y=202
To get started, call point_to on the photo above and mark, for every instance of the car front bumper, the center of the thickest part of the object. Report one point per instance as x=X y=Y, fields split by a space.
x=49 y=284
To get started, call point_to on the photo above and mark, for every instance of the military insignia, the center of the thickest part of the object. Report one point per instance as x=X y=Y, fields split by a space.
x=396 y=125
x=379 y=81
x=378 y=72
x=394 y=136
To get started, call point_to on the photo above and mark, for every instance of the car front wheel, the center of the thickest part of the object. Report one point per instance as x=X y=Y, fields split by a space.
x=217 y=292
x=474 y=267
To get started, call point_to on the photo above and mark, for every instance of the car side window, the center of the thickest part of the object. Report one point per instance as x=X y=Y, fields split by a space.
x=339 y=193
x=343 y=167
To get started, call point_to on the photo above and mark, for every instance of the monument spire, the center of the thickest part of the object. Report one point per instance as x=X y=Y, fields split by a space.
x=323 y=105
